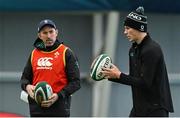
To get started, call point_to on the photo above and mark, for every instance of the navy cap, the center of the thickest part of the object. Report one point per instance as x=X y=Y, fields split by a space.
x=44 y=23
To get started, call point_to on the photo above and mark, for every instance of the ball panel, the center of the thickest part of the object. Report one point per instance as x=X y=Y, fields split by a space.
x=99 y=69
x=95 y=67
x=48 y=91
x=95 y=64
x=105 y=62
x=39 y=95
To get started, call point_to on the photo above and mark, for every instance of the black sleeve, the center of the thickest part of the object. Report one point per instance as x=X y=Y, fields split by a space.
x=129 y=80
x=73 y=74
x=150 y=60
x=27 y=74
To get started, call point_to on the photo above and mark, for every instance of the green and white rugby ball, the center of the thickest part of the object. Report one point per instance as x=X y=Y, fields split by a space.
x=42 y=92
x=102 y=60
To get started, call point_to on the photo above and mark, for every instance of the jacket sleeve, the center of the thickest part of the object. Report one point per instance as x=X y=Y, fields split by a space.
x=73 y=74
x=150 y=61
x=27 y=75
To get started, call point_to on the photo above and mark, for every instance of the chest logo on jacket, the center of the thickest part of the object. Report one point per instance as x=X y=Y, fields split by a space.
x=131 y=54
x=56 y=54
x=44 y=63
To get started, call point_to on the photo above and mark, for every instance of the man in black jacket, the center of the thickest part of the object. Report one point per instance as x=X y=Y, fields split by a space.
x=148 y=76
x=55 y=63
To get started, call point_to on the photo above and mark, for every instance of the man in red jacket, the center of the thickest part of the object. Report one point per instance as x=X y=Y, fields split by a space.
x=55 y=63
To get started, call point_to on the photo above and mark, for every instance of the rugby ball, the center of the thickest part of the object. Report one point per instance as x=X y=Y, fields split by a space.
x=42 y=92
x=102 y=60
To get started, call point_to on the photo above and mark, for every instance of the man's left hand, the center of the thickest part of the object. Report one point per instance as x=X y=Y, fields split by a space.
x=50 y=101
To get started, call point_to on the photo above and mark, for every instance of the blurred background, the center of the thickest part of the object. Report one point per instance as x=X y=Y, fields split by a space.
x=88 y=27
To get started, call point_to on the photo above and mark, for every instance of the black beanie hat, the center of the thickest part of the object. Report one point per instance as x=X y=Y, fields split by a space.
x=137 y=20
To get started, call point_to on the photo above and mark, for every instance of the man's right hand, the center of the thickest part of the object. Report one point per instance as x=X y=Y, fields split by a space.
x=30 y=90
x=111 y=73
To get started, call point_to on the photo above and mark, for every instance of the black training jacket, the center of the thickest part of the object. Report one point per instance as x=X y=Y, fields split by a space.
x=148 y=78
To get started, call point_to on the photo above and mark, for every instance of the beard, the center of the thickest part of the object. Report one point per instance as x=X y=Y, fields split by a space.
x=49 y=42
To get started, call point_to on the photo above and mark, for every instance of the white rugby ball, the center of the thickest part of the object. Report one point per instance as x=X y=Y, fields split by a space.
x=102 y=60
x=42 y=92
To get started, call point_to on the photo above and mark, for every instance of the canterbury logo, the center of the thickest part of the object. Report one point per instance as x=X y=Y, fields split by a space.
x=44 y=63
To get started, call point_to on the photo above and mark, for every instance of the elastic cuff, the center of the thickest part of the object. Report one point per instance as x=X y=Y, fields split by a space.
x=61 y=94
x=122 y=75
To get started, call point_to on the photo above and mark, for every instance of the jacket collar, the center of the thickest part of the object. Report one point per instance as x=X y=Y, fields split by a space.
x=39 y=44
x=146 y=39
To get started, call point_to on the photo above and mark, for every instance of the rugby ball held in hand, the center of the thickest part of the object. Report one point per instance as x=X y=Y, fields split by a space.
x=42 y=92
x=102 y=60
